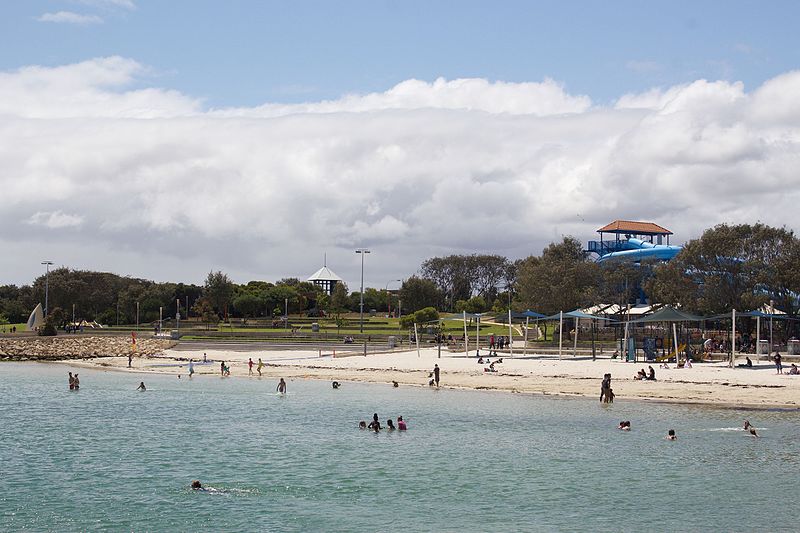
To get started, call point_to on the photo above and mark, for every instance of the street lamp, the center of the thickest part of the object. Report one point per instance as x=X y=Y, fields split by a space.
x=363 y=252
x=46 y=285
x=389 y=296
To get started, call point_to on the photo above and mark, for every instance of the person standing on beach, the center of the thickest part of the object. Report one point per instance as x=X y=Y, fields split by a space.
x=191 y=368
x=222 y=368
x=436 y=374
x=250 y=366
x=778 y=365
x=130 y=359
x=259 y=367
x=281 y=386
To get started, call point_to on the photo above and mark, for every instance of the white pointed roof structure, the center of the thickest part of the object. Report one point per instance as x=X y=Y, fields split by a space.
x=324 y=274
x=325 y=277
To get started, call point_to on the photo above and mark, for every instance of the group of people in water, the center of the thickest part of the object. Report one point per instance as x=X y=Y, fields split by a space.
x=375 y=425
x=625 y=425
x=74 y=382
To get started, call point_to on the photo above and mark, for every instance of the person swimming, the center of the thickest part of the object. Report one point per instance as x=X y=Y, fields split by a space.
x=362 y=425
x=390 y=425
x=71 y=381
x=625 y=425
x=196 y=485
x=281 y=386
x=335 y=385
x=671 y=435
x=141 y=387
x=375 y=424
x=401 y=424
x=395 y=384
x=77 y=382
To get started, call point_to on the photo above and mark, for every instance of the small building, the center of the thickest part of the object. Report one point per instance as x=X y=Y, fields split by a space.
x=325 y=278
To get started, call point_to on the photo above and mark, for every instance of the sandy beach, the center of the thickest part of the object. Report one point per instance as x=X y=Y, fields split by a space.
x=704 y=383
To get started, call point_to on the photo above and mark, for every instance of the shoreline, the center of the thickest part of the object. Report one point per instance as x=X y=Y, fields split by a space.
x=706 y=384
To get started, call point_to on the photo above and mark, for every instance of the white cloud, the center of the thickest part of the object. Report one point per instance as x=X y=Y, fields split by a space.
x=121 y=4
x=173 y=190
x=55 y=220
x=69 y=17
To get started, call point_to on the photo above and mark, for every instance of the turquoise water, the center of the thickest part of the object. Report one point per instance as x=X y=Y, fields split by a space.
x=110 y=458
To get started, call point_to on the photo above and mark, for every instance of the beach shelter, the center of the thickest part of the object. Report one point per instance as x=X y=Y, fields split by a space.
x=577 y=314
x=758 y=314
x=528 y=315
x=463 y=316
x=669 y=315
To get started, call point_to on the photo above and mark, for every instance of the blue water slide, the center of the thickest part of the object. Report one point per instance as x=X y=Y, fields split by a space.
x=640 y=250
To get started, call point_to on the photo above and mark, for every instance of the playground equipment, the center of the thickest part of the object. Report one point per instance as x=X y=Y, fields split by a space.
x=633 y=241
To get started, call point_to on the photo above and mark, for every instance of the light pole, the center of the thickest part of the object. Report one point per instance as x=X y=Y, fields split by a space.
x=363 y=252
x=46 y=286
x=771 y=312
x=137 y=316
x=389 y=296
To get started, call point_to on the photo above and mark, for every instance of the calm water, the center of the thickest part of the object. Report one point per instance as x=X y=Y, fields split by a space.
x=110 y=458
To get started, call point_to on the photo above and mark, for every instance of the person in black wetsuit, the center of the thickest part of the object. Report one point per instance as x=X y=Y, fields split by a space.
x=436 y=374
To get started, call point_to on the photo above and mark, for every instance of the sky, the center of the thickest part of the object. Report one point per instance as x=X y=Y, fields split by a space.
x=167 y=139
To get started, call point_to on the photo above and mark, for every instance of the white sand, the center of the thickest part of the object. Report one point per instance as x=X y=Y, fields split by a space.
x=711 y=383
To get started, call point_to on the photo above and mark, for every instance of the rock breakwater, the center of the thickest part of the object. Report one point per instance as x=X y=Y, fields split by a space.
x=77 y=347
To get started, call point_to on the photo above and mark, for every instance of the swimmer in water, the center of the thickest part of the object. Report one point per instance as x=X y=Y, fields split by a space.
x=362 y=425
x=671 y=435
x=141 y=387
x=196 y=485
x=390 y=425
x=335 y=385
x=281 y=386
x=77 y=382
x=71 y=381
x=401 y=424
x=395 y=384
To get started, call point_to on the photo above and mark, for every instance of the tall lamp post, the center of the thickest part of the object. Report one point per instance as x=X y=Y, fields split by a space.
x=389 y=296
x=46 y=286
x=363 y=252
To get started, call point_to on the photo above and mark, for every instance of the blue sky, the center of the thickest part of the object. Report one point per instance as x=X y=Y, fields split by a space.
x=166 y=139
x=238 y=53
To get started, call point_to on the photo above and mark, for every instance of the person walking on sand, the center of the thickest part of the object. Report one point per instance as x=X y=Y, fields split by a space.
x=281 y=386
x=250 y=366
x=436 y=374
x=778 y=365
x=259 y=367
x=191 y=368
x=130 y=359
x=222 y=368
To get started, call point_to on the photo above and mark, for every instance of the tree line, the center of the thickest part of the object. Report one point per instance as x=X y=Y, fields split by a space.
x=728 y=267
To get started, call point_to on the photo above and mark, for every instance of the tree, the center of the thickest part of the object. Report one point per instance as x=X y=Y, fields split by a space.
x=247 y=305
x=561 y=279
x=418 y=293
x=218 y=289
x=205 y=311
x=422 y=316
x=460 y=277
x=731 y=267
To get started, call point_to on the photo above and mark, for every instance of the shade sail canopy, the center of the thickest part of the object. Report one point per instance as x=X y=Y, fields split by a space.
x=669 y=314
x=532 y=314
x=754 y=314
x=576 y=314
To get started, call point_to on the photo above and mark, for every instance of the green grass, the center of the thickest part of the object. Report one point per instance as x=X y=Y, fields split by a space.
x=6 y=328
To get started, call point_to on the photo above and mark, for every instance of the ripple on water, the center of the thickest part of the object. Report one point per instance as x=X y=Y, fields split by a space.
x=109 y=458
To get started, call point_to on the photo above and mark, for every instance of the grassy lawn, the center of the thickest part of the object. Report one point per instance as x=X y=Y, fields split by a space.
x=6 y=328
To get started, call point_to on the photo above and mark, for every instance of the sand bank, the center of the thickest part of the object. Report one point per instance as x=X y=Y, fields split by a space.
x=705 y=383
